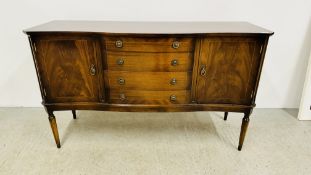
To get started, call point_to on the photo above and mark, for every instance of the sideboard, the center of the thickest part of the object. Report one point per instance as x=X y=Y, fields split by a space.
x=148 y=66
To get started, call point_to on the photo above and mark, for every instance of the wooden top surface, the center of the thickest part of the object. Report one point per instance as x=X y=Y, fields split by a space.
x=119 y=27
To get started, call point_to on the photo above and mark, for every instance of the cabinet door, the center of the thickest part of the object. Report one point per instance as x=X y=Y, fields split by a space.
x=70 y=68
x=227 y=69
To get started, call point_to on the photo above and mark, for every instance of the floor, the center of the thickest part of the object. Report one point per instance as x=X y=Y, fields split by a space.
x=154 y=143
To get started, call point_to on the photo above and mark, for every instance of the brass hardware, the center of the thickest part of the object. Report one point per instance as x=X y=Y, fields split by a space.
x=174 y=62
x=175 y=44
x=121 y=81
x=173 y=98
x=93 y=70
x=120 y=61
x=203 y=70
x=119 y=43
x=122 y=97
x=173 y=81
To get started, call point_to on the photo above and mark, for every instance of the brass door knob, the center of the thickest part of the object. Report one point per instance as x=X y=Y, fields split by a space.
x=121 y=81
x=92 y=70
x=173 y=81
x=122 y=97
x=173 y=98
x=203 y=70
x=175 y=44
x=119 y=43
x=174 y=62
x=120 y=61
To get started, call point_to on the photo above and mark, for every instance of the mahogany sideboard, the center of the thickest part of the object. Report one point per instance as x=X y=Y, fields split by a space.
x=148 y=66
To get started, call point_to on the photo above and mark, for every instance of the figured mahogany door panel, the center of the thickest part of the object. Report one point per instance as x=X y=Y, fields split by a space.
x=227 y=69
x=157 y=81
x=70 y=69
x=155 y=62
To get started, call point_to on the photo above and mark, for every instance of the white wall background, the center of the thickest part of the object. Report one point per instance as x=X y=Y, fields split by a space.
x=304 y=109
x=283 y=72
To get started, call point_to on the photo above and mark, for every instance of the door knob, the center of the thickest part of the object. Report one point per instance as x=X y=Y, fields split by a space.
x=173 y=98
x=122 y=97
x=175 y=44
x=120 y=61
x=121 y=81
x=119 y=43
x=203 y=70
x=174 y=62
x=173 y=81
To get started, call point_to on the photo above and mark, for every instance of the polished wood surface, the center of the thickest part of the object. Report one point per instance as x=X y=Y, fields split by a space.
x=231 y=65
x=149 y=44
x=53 y=125
x=116 y=66
x=169 y=27
x=148 y=80
x=66 y=77
x=244 y=127
x=150 y=62
x=149 y=97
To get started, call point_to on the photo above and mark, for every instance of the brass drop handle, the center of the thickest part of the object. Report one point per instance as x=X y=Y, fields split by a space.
x=121 y=81
x=173 y=98
x=173 y=81
x=203 y=70
x=120 y=61
x=92 y=70
x=119 y=43
x=174 y=62
x=175 y=44
x=122 y=97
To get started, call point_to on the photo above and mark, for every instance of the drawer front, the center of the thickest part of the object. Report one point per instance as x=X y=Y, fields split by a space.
x=149 y=44
x=149 y=97
x=135 y=61
x=148 y=80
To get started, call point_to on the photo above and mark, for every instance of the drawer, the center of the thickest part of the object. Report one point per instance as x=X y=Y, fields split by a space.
x=149 y=44
x=149 y=97
x=148 y=80
x=137 y=61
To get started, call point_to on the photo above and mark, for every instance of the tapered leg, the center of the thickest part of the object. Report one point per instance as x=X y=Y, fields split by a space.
x=54 y=129
x=244 y=126
x=226 y=115
x=74 y=114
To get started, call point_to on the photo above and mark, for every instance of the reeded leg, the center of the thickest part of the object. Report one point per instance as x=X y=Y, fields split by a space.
x=226 y=115
x=54 y=129
x=244 y=126
x=74 y=114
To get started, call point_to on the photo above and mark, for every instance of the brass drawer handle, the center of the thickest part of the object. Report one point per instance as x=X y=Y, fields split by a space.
x=120 y=61
x=173 y=81
x=173 y=98
x=122 y=97
x=119 y=43
x=121 y=81
x=92 y=70
x=203 y=70
x=174 y=62
x=175 y=44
